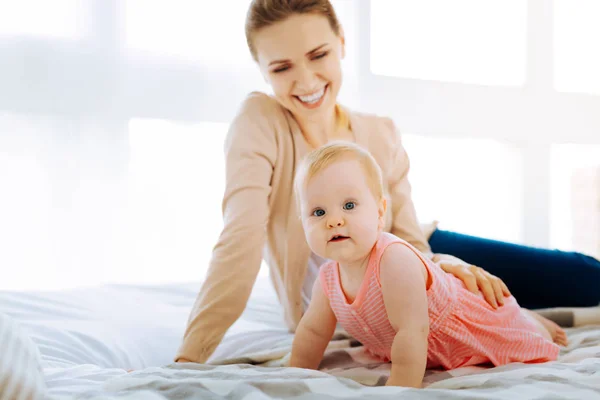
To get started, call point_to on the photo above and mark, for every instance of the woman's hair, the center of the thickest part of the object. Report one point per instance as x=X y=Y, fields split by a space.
x=264 y=13
x=336 y=151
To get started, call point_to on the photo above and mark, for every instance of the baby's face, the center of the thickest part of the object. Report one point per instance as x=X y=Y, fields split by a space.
x=340 y=215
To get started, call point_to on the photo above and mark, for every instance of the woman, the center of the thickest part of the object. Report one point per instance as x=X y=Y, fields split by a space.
x=298 y=46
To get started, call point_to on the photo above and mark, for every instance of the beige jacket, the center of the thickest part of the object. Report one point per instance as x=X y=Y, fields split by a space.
x=263 y=147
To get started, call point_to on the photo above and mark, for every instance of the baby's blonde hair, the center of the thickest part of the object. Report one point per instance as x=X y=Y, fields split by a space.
x=336 y=151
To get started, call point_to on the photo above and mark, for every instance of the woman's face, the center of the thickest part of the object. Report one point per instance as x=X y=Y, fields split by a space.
x=300 y=58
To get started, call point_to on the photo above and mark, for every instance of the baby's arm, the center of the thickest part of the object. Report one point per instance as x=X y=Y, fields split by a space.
x=403 y=283
x=314 y=332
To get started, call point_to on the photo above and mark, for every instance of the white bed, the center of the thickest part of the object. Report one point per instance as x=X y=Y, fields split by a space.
x=88 y=339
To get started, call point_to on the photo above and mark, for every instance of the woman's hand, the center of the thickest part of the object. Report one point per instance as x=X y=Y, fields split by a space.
x=476 y=279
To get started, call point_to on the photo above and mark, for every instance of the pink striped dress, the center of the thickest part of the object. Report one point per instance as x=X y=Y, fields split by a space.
x=463 y=328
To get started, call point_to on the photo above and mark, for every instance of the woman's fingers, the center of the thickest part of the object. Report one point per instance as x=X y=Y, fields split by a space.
x=485 y=285
x=505 y=290
x=496 y=284
x=479 y=280
x=464 y=274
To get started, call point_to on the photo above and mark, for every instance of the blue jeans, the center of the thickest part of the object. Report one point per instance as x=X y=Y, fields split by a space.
x=538 y=278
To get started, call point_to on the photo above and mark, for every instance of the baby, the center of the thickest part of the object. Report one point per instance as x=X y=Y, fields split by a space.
x=398 y=303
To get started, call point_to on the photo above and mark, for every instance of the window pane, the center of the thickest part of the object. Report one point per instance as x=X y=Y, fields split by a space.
x=94 y=219
x=345 y=11
x=176 y=185
x=56 y=18
x=575 y=205
x=472 y=186
x=210 y=32
x=467 y=41
x=576 y=46
x=26 y=212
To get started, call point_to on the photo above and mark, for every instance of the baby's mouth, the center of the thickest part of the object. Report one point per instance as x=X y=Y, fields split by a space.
x=339 y=238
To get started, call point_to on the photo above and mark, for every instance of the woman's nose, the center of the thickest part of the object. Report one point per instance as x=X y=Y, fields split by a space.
x=306 y=80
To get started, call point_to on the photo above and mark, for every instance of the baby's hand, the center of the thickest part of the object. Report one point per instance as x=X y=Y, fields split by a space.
x=396 y=381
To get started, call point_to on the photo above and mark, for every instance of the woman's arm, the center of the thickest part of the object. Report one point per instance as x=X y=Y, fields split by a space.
x=403 y=280
x=250 y=154
x=314 y=332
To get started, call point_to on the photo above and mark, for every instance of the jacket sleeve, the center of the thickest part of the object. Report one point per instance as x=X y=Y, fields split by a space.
x=250 y=155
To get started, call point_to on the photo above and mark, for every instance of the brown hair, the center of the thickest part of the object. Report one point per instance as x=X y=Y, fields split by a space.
x=263 y=13
x=336 y=151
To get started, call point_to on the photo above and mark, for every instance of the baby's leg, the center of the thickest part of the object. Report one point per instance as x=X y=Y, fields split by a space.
x=547 y=328
x=538 y=324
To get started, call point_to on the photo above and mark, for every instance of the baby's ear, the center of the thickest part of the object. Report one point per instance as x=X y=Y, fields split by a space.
x=382 y=206
x=381 y=211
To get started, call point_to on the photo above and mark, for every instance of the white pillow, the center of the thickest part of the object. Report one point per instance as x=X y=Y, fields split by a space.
x=20 y=368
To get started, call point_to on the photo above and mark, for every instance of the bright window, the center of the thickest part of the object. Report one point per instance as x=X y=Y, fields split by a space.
x=467 y=41
x=576 y=46
x=176 y=183
x=575 y=195
x=26 y=214
x=208 y=32
x=56 y=18
x=471 y=186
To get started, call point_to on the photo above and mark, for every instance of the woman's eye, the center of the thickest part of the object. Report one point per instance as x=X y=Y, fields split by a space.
x=318 y=56
x=318 y=213
x=282 y=69
x=349 y=205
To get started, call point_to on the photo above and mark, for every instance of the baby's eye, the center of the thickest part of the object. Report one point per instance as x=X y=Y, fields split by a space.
x=349 y=205
x=319 y=213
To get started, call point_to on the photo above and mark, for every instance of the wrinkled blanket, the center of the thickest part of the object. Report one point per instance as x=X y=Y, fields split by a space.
x=349 y=372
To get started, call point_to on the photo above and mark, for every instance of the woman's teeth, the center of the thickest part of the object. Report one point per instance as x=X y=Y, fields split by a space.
x=313 y=98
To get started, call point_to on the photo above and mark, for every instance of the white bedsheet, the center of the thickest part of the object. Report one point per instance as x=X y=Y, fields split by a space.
x=88 y=335
x=88 y=338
